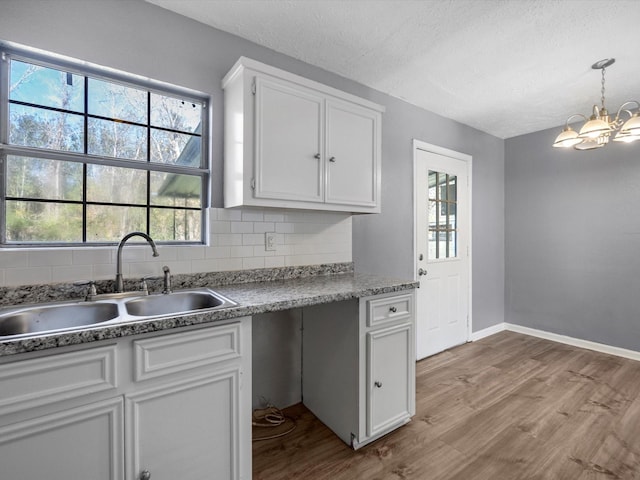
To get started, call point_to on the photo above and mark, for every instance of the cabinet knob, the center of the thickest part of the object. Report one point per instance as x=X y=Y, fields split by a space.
x=393 y=309
x=378 y=384
x=145 y=475
x=332 y=159
x=317 y=156
x=421 y=271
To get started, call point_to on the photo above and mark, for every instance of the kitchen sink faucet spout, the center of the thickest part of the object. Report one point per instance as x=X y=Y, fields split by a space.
x=119 y=282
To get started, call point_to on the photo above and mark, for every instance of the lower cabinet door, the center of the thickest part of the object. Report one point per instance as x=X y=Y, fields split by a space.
x=78 y=443
x=389 y=378
x=186 y=430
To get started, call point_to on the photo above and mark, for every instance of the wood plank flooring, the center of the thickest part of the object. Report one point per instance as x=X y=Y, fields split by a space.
x=507 y=407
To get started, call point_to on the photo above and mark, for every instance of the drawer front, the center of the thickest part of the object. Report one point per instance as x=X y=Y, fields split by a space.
x=159 y=356
x=32 y=383
x=382 y=311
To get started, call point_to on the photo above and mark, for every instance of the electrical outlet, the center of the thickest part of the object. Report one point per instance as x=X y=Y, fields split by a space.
x=270 y=241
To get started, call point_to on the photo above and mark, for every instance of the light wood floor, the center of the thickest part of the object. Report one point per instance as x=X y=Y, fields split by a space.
x=507 y=407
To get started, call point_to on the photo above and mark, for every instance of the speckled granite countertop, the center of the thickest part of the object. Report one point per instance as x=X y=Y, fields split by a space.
x=252 y=298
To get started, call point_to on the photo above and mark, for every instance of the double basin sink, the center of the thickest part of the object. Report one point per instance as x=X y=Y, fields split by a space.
x=117 y=308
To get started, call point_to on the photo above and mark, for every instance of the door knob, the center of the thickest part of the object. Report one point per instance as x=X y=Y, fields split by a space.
x=421 y=272
x=145 y=475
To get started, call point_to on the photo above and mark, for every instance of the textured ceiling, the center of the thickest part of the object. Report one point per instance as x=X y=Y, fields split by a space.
x=506 y=67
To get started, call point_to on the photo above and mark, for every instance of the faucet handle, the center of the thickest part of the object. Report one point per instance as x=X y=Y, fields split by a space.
x=91 y=293
x=144 y=288
x=167 y=280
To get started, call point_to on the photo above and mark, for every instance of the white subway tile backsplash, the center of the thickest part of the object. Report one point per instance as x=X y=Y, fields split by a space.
x=91 y=256
x=190 y=253
x=262 y=227
x=28 y=275
x=227 y=239
x=252 y=262
x=72 y=273
x=253 y=239
x=252 y=215
x=274 y=262
x=230 y=264
x=220 y=227
x=285 y=227
x=217 y=252
x=236 y=242
x=259 y=251
x=42 y=258
x=13 y=259
x=228 y=214
x=273 y=217
x=241 y=227
x=240 y=252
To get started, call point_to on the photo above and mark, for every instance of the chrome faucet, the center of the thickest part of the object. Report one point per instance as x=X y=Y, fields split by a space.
x=119 y=282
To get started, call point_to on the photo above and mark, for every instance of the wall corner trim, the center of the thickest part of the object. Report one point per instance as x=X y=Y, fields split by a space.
x=576 y=342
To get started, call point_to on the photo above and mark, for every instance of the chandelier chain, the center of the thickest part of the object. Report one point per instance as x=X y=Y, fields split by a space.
x=602 y=90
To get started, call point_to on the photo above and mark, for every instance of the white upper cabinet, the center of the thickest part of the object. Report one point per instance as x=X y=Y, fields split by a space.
x=294 y=143
x=288 y=142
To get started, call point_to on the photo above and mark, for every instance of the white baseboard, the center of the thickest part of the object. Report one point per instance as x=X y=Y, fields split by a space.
x=576 y=342
x=487 y=332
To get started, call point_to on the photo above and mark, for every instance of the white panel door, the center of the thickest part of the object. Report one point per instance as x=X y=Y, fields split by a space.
x=442 y=249
x=351 y=153
x=187 y=430
x=289 y=123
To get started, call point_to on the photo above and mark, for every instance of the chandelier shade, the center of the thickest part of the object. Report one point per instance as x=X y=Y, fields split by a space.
x=598 y=129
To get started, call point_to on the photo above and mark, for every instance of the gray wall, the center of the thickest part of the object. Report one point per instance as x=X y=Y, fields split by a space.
x=137 y=37
x=572 y=239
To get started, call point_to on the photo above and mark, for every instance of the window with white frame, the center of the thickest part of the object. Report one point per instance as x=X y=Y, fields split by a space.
x=89 y=155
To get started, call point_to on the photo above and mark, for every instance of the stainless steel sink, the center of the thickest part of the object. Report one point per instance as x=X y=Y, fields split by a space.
x=177 y=302
x=110 y=309
x=43 y=319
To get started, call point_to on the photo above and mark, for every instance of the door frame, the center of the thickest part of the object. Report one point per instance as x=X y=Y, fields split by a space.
x=428 y=147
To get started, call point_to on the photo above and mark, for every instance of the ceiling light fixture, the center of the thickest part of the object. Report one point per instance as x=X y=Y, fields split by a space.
x=598 y=129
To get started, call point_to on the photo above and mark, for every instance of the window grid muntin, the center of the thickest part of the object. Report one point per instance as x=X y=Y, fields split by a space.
x=437 y=202
x=127 y=80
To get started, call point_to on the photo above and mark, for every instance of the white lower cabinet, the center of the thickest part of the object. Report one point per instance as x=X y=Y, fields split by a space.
x=359 y=365
x=158 y=406
x=77 y=443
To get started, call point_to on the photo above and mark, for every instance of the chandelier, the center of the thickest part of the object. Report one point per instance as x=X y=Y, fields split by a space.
x=600 y=127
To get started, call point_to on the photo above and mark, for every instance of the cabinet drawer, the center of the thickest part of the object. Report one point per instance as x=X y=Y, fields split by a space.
x=381 y=311
x=155 y=357
x=40 y=381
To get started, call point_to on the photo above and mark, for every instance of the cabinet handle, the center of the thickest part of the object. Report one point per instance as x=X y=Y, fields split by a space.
x=145 y=475
x=317 y=156
x=421 y=271
x=332 y=159
x=393 y=309
x=378 y=384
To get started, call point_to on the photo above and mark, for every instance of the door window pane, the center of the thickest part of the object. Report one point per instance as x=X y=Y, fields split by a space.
x=443 y=224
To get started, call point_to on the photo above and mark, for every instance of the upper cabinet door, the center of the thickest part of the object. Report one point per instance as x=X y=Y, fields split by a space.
x=289 y=134
x=352 y=154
